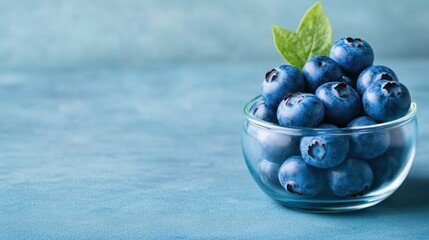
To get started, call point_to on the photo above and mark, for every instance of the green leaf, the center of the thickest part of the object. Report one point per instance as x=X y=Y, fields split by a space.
x=313 y=37
x=315 y=32
x=289 y=45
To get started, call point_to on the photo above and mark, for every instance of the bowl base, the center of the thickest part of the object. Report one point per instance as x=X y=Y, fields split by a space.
x=334 y=206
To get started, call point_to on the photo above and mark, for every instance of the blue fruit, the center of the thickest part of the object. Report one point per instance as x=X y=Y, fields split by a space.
x=268 y=173
x=300 y=110
x=279 y=82
x=342 y=103
x=324 y=151
x=368 y=145
x=386 y=100
x=319 y=70
x=400 y=137
x=263 y=112
x=349 y=81
x=374 y=73
x=299 y=178
x=352 y=54
x=385 y=169
x=276 y=147
x=350 y=179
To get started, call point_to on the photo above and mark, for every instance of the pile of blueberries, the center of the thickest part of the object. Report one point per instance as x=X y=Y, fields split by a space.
x=342 y=90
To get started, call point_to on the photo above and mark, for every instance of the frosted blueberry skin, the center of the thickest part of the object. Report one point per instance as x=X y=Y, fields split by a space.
x=299 y=178
x=319 y=70
x=324 y=151
x=350 y=179
x=374 y=73
x=279 y=82
x=368 y=145
x=275 y=147
x=263 y=112
x=386 y=100
x=385 y=169
x=342 y=103
x=300 y=110
x=352 y=54
x=268 y=172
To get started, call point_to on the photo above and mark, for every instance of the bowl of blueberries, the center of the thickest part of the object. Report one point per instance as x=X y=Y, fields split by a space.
x=339 y=135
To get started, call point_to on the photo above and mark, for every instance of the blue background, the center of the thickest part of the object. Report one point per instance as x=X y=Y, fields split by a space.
x=131 y=33
x=122 y=119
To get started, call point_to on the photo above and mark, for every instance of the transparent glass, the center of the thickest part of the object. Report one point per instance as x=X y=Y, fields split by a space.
x=260 y=138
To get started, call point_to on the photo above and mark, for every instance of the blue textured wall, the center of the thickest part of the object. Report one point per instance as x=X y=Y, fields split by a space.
x=58 y=34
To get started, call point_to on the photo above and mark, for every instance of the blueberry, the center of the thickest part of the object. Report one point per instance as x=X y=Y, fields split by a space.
x=385 y=169
x=352 y=54
x=400 y=137
x=279 y=82
x=300 y=110
x=324 y=151
x=400 y=144
x=268 y=173
x=299 y=178
x=351 y=82
x=263 y=112
x=342 y=103
x=276 y=147
x=386 y=100
x=350 y=179
x=368 y=145
x=319 y=70
x=374 y=73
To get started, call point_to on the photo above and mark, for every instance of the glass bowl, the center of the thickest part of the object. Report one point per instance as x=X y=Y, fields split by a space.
x=266 y=146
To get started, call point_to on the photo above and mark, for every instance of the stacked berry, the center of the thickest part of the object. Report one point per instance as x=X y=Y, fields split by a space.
x=342 y=90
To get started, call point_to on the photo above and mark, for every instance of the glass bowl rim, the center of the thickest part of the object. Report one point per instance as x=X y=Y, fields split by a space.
x=305 y=130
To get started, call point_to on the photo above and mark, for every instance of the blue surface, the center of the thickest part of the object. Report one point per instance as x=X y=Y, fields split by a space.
x=63 y=34
x=155 y=153
x=121 y=119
